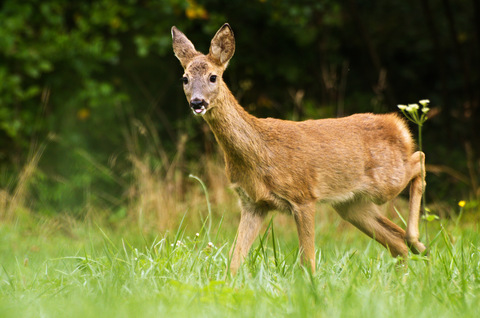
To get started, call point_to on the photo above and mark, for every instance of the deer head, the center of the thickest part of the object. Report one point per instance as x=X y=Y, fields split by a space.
x=202 y=79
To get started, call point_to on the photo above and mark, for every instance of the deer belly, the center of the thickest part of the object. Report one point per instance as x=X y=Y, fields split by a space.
x=264 y=201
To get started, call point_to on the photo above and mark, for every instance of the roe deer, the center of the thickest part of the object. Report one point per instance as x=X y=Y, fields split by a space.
x=354 y=163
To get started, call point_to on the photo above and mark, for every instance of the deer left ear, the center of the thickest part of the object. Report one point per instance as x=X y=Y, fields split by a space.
x=222 y=46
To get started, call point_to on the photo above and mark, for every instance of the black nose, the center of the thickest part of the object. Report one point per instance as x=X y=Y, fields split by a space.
x=197 y=103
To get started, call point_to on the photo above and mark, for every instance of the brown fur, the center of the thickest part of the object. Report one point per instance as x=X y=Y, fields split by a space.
x=354 y=163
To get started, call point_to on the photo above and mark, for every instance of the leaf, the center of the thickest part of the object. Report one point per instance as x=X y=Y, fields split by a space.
x=430 y=217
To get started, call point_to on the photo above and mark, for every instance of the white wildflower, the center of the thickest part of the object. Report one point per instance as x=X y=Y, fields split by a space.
x=402 y=107
x=210 y=244
x=424 y=102
x=413 y=106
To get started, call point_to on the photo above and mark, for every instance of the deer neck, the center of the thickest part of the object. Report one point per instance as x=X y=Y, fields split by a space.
x=236 y=131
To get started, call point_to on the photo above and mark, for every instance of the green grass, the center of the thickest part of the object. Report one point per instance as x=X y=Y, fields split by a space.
x=49 y=269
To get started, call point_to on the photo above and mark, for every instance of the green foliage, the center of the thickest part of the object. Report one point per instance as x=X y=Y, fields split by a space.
x=62 y=76
x=76 y=74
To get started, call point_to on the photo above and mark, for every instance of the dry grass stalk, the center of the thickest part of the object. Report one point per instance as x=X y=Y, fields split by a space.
x=15 y=199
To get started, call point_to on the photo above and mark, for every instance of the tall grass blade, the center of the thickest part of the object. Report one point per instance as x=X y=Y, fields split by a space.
x=209 y=208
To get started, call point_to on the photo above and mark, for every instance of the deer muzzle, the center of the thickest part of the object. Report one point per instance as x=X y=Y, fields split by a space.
x=198 y=106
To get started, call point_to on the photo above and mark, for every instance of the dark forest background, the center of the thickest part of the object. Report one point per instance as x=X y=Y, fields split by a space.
x=88 y=88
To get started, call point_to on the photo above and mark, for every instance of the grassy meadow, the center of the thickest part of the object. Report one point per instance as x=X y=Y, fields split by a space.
x=165 y=254
x=69 y=268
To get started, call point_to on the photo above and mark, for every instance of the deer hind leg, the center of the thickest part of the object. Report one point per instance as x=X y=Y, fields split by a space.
x=416 y=190
x=250 y=223
x=366 y=217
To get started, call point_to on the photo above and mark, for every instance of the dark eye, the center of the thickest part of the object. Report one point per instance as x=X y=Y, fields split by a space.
x=185 y=80
x=213 y=78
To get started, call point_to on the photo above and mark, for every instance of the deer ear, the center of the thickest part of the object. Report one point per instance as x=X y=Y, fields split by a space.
x=223 y=45
x=182 y=47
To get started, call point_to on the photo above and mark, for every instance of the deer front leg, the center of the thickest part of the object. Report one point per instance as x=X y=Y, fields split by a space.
x=250 y=223
x=305 y=221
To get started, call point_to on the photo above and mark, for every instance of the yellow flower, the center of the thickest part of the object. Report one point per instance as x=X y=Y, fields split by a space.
x=83 y=113
x=195 y=11
x=461 y=203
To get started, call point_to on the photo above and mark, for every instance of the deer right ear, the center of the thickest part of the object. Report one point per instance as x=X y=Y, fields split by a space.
x=182 y=47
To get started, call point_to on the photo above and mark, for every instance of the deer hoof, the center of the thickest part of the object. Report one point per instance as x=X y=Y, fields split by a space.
x=416 y=246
